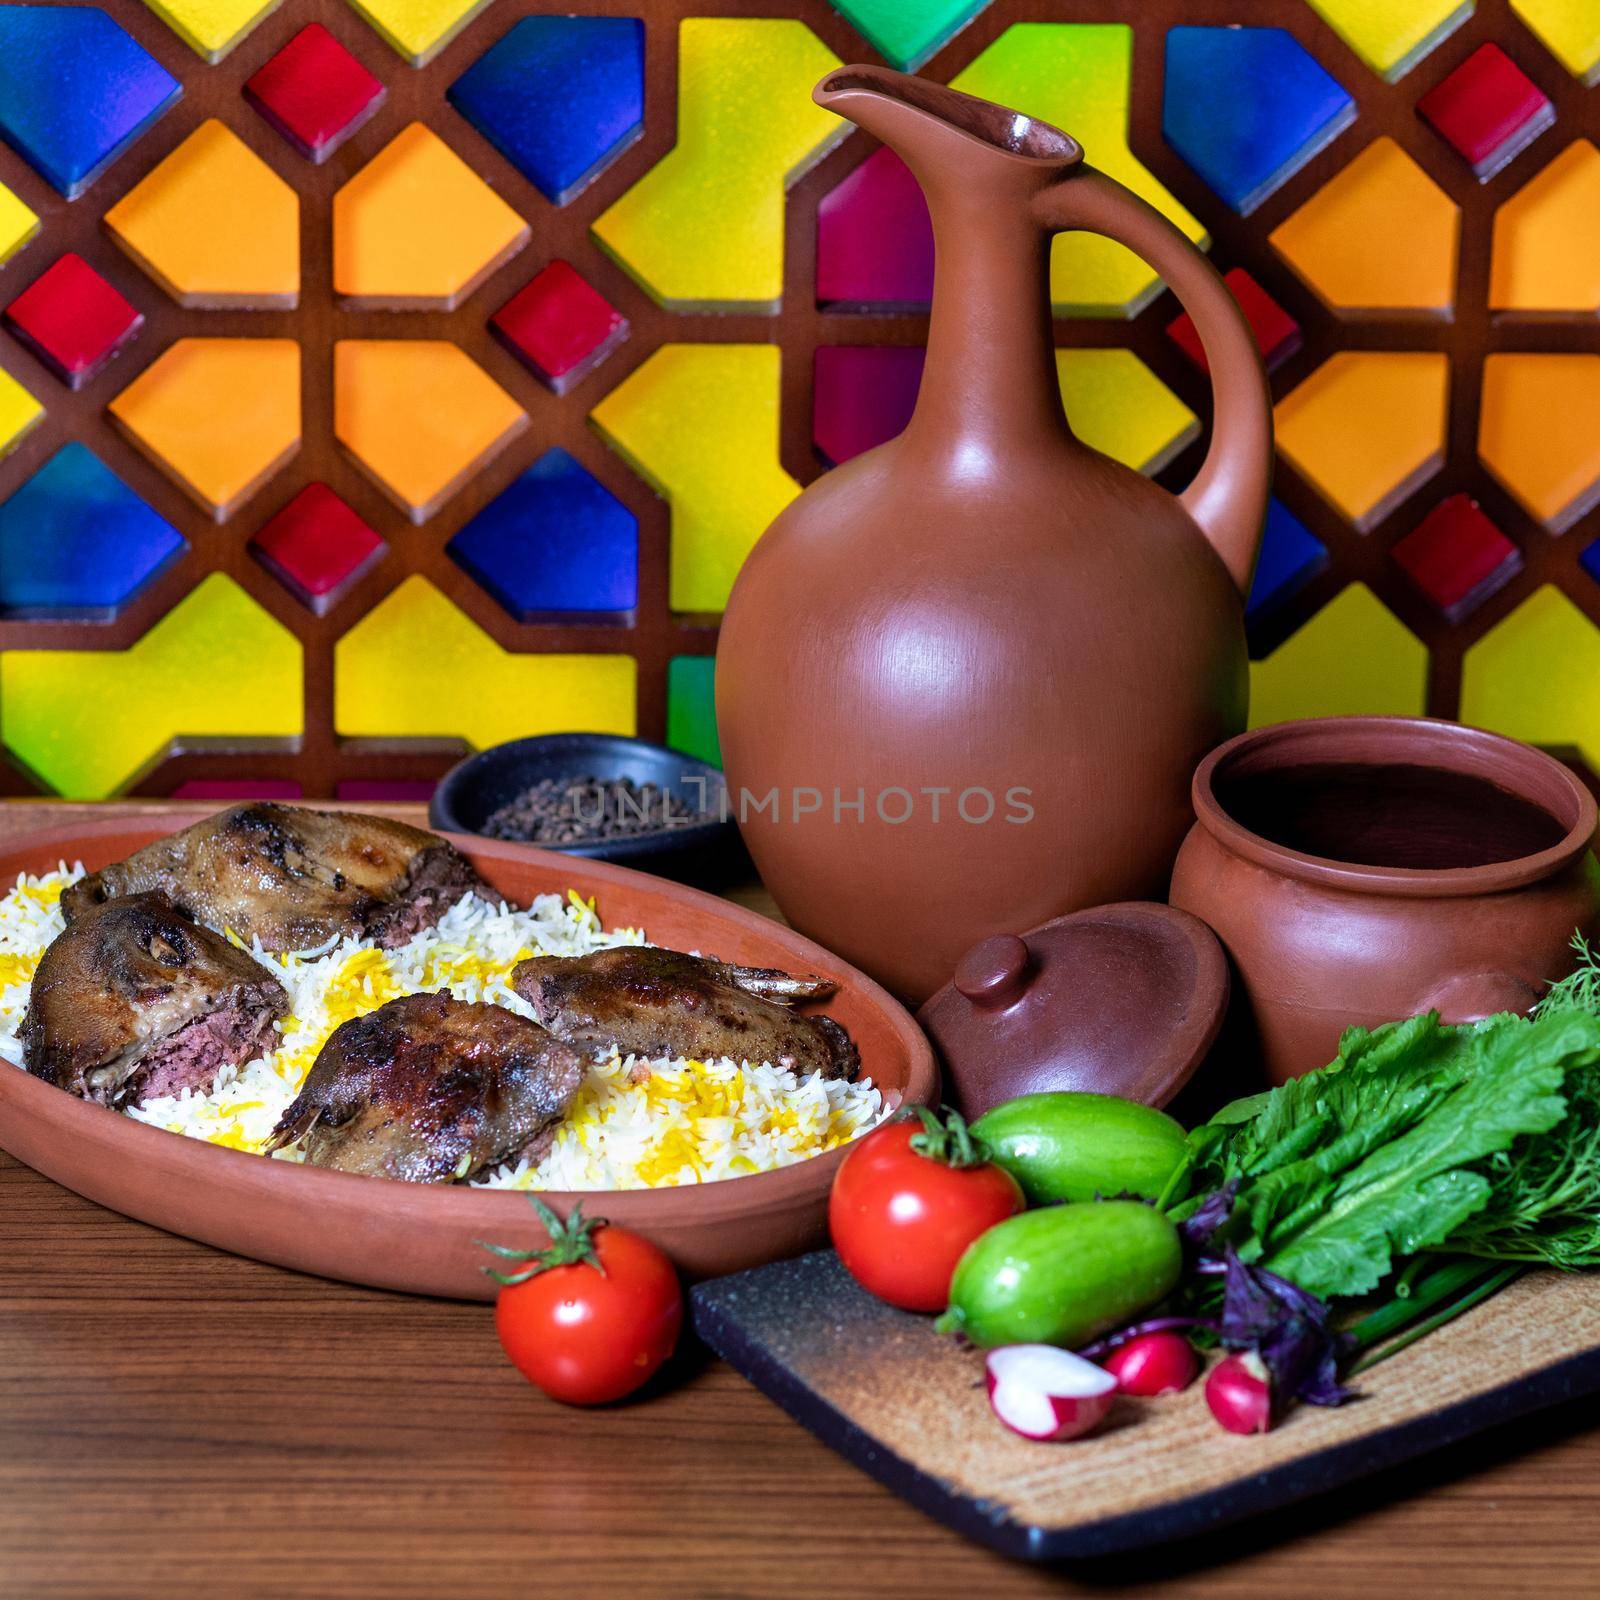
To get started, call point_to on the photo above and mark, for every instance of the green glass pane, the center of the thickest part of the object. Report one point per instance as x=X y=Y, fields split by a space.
x=906 y=32
x=691 y=707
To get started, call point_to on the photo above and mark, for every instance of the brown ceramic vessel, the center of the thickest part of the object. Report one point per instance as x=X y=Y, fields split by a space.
x=977 y=665
x=1363 y=869
x=1122 y=1000
x=423 y=1237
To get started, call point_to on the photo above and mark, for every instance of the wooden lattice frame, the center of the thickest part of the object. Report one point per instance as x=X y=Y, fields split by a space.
x=320 y=759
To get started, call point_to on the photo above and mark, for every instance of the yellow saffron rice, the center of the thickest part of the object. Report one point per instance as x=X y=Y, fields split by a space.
x=635 y=1124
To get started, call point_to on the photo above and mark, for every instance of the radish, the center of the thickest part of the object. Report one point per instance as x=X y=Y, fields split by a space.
x=1239 y=1393
x=1153 y=1363
x=1045 y=1393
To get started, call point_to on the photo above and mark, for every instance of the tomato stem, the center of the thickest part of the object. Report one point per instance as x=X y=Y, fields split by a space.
x=571 y=1244
x=945 y=1137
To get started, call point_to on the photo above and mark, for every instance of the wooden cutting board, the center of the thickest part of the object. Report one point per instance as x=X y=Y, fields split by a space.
x=908 y=1406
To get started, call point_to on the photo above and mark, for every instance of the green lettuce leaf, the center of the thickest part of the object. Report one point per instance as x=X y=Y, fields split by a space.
x=1371 y=1159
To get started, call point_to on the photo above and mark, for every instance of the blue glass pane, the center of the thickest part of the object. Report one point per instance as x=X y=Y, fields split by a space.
x=75 y=91
x=559 y=97
x=555 y=540
x=1291 y=556
x=1246 y=107
x=75 y=540
x=1590 y=560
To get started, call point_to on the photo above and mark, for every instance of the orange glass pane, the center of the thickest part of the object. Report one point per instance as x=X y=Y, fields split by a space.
x=419 y=455
x=214 y=225
x=1380 y=236
x=219 y=415
x=1367 y=427
x=1547 y=238
x=418 y=229
x=1539 y=432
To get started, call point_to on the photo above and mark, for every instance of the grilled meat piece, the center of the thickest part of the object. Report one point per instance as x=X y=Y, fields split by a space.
x=430 y=1089
x=134 y=1001
x=646 y=1001
x=294 y=878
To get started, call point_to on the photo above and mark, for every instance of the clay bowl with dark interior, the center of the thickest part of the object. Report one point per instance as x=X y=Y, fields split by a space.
x=424 y=1237
x=708 y=852
x=1364 y=869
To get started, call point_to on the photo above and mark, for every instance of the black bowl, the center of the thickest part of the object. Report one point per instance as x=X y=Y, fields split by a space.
x=705 y=853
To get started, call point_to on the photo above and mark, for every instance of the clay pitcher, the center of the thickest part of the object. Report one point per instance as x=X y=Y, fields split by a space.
x=964 y=679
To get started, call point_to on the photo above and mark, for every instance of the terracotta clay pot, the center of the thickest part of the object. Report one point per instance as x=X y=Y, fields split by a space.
x=1364 y=869
x=423 y=1237
x=966 y=676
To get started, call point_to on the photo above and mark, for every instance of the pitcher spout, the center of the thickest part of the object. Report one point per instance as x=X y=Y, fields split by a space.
x=933 y=127
x=990 y=377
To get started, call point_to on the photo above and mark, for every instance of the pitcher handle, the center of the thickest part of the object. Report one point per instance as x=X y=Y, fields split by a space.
x=1228 y=498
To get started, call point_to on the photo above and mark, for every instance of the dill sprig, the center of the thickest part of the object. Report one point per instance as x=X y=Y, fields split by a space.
x=1544 y=1206
x=1580 y=989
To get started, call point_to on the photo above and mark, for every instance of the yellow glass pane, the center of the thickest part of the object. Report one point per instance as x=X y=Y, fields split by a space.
x=1536 y=676
x=418 y=229
x=91 y=722
x=1118 y=405
x=220 y=416
x=1076 y=75
x=1570 y=30
x=419 y=455
x=214 y=225
x=704 y=227
x=1380 y=236
x=699 y=422
x=1354 y=658
x=211 y=28
x=1391 y=36
x=18 y=224
x=418 y=29
x=1367 y=427
x=1539 y=432
x=1547 y=238
x=415 y=666
x=19 y=411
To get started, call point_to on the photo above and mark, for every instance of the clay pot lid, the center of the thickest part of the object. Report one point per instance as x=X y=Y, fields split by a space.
x=1120 y=999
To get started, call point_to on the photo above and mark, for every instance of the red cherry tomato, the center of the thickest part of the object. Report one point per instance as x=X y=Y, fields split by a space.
x=594 y=1316
x=908 y=1200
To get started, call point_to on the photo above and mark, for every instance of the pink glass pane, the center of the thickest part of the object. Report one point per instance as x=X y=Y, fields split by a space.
x=874 y=238
x=237 y=789
x=863 y=395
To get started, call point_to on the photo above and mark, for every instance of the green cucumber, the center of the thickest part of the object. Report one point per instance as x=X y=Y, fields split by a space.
x=1063 y=1275
x=1067 y=1146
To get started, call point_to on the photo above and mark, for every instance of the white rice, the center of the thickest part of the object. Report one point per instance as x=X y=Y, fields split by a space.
x=635 y=1124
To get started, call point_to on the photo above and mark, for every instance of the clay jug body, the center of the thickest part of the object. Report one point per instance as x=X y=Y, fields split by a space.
x=964 y=679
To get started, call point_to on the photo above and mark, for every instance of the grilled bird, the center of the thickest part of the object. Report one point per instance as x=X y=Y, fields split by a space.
x=646 y=1001
x=294 y=878
x=133 y=1001
x=430 y=1089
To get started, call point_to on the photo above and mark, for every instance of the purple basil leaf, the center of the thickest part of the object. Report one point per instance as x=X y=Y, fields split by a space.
x=1288 y=1328
x=1199 y=1229
x=1322 y=1387
x=1101 y=1348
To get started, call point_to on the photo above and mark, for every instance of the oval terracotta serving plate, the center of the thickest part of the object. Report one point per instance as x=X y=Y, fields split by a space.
x=423 y=1238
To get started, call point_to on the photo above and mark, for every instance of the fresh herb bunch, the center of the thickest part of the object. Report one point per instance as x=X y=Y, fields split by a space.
x=1334 y=1220
x=1481 y=1139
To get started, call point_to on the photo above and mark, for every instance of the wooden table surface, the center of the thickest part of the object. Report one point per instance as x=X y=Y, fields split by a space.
x=178 y=1422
